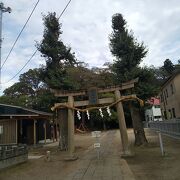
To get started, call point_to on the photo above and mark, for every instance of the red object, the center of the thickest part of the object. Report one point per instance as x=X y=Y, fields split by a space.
x=154 y=101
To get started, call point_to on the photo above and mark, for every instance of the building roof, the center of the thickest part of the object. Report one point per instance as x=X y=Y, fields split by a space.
x=170 y=78
x=17 y=111
x=154 y=101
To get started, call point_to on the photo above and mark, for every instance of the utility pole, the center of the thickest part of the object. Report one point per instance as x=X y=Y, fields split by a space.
x=2 y=10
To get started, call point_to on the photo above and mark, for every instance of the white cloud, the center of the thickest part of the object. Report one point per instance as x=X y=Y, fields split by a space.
x=86 y=26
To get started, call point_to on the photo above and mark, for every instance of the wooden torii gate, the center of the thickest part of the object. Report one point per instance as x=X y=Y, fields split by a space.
x=73 y=105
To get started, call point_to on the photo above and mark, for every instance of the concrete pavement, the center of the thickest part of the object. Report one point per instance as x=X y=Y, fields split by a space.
x=109 y=166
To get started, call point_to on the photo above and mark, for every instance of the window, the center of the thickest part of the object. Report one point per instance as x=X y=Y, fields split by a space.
x=173 y=113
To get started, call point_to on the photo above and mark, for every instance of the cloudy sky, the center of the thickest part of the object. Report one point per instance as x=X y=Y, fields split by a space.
x=86 y=25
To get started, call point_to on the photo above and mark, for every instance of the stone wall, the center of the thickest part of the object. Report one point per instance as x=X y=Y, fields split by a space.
x=12 y=154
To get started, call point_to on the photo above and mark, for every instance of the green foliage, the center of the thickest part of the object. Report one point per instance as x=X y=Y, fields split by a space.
x=118 y=23
x=20 y=101
x=18 y=89
x=104 y=77
x=81 y=77
x=44 y=100
x=32 y=78
x=5 y=100
x=148 y=85
x=107 y=121
x=57 y=55
x=165 y=71
x=160 y=74
x=29 y=83
x=29 y=92
x=168 y=66
x=127 y=51
x=129 y=54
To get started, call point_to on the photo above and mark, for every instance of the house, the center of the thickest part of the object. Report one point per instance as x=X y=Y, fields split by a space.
x=170 y=97
x=22 y=125
x=153 y=113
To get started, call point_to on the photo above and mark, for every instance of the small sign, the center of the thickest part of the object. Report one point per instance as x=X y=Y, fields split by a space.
x=96 y=134
x=93 y=96
x=97 y=145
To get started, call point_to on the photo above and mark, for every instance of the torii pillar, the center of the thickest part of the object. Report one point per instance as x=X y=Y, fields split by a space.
x=122 y=126
x=71 y=148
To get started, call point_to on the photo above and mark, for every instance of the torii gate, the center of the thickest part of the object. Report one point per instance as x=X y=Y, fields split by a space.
x=73 y=105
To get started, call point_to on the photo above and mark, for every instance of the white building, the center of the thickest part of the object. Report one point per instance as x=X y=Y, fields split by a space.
x=154 y=112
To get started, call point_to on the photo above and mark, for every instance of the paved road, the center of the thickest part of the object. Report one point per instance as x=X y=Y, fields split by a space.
x=109 y=166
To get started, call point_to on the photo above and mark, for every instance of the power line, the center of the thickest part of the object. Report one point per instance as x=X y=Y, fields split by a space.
x=21 y=68
x=64 y=9
x=35 y=51
x=19 y=34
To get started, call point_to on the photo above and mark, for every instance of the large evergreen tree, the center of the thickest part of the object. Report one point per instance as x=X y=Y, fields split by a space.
x=128 y=54
x=57 y=55
x=124 y=47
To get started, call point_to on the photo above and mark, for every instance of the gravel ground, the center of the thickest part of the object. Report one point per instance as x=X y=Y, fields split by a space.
x=149 y=164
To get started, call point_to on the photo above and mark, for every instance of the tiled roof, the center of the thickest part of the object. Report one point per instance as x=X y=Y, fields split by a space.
x=11 y=110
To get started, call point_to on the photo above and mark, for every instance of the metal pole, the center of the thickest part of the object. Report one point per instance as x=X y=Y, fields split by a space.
x=2 y=9
x=161 y=143
x=98 y=149
x=1 y=5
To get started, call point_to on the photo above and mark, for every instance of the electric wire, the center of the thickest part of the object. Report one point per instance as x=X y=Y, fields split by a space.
x=35 y=51
x=19 y=34
x=21 y=68
x=64 y=9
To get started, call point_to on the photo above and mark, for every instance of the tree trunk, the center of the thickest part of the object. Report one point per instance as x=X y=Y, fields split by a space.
x=140 y=138
x=104 y=125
